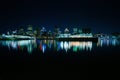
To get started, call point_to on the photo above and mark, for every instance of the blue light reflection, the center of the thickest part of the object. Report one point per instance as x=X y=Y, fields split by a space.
x=53 y=45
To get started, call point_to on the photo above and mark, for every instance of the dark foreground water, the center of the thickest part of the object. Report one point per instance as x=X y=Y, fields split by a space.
x=50 y=55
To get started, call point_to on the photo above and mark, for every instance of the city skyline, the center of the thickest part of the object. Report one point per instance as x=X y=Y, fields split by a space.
x=59 y=35
x=38 y=30
x=100 y=16
x=10 y=29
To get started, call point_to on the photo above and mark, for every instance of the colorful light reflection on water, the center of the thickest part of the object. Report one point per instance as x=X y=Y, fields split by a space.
x=44 y=45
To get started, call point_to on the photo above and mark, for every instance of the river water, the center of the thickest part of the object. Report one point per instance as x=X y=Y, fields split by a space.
x=37 y=55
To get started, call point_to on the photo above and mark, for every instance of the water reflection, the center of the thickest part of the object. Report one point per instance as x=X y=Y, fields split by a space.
x=20 y=45
x=52 y=45
x=107 y=42
x=76 y=46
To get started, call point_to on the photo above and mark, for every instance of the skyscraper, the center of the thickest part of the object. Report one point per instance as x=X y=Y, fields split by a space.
x=56 y=31
x=30 y=30
x=75 y=31
x=21 y=31
x=80 y=31
x=43 y=32
x=66 y=31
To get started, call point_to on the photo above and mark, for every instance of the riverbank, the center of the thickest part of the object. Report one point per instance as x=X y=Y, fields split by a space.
x=16 y=38
x=94 y=39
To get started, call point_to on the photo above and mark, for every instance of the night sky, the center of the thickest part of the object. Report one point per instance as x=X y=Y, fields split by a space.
x=99 y=15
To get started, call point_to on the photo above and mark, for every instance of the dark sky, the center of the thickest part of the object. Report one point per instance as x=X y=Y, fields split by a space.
x=100 y=15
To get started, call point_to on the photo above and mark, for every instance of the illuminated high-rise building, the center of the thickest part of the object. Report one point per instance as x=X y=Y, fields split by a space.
x=30 y=30
x=75 y=30
x=56 y=31
x=80 y=31
x=66 y=31
x=21 y=31
x=37 y=32
x=14 y=32
x=49 y=33
x=43 y=32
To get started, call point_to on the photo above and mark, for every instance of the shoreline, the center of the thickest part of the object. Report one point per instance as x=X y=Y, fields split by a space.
x=94 y=39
